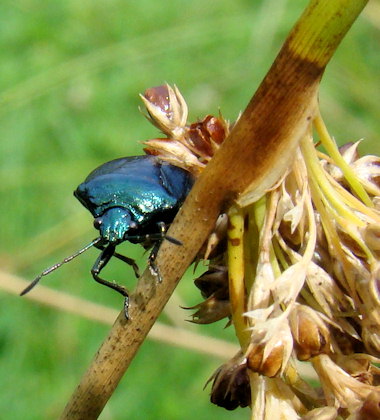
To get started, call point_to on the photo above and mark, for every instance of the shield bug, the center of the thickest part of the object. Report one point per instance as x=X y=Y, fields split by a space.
x=132 y=199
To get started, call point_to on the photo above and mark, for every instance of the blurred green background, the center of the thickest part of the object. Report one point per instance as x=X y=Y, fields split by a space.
x=70 y=74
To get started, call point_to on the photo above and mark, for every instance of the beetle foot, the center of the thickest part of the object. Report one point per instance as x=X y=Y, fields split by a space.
x=154 y=270
x=126 y=307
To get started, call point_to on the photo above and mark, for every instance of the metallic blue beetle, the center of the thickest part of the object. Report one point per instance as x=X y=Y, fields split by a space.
x=132 y=199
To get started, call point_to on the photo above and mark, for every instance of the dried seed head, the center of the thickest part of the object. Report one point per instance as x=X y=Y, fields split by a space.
x=317 y=271
x=315 y=265
x=188 y=146
x=231 y=387
x=305 y=277
x=213 y=285
x=310 y=334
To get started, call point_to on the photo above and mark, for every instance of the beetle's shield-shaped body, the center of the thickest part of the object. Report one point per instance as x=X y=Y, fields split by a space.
x=133 y=193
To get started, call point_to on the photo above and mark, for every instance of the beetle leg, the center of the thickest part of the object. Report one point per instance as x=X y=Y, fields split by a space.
x=161 y=228
x=153 y=254
x=162 y=233
x=129 y=261
x=173 y=240
x=100 y=263
x=153 y=267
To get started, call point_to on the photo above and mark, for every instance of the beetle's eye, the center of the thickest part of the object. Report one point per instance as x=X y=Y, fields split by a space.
x=97 y=223
x=133 y=225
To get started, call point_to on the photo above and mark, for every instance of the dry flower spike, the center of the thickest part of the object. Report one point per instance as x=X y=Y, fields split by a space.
x=298 y=276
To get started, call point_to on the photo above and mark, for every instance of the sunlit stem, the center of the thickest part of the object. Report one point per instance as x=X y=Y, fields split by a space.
x=255 y=215
x=334 y=153
x=318 y=175
x=351 y=200
x=236 y=274
x=334 y=197
x=321 y=206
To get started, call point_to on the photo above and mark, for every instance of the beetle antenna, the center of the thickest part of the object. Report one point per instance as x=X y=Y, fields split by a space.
x=59 y=264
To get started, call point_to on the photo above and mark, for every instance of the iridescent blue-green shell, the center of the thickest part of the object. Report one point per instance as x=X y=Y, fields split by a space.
x=139 y=190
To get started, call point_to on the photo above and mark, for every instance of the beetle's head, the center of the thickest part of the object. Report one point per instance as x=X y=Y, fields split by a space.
x=114 y=224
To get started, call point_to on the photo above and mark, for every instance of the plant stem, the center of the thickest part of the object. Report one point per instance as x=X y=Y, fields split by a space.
x=333 y=151
x=236 y=274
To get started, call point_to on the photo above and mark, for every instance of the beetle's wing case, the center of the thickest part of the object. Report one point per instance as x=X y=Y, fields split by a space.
x=144 y=185
x=176 y=181
x=129 y=165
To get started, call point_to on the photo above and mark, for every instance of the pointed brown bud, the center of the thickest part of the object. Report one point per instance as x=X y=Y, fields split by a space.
x=167 y=109
x=159 y=96
x=215 y=246
x=210 y=310
x=214 y=282
x=269 y=365
x=311 y=336
x=231 y=387
x=206 y=135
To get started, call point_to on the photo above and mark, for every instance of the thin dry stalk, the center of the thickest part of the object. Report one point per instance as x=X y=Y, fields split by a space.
x=172 y=335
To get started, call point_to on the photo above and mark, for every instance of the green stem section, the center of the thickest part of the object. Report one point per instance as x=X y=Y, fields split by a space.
x=333 y=200
x=321 y=28
x=335 y=203
x=333 y=151
x=236 y=274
